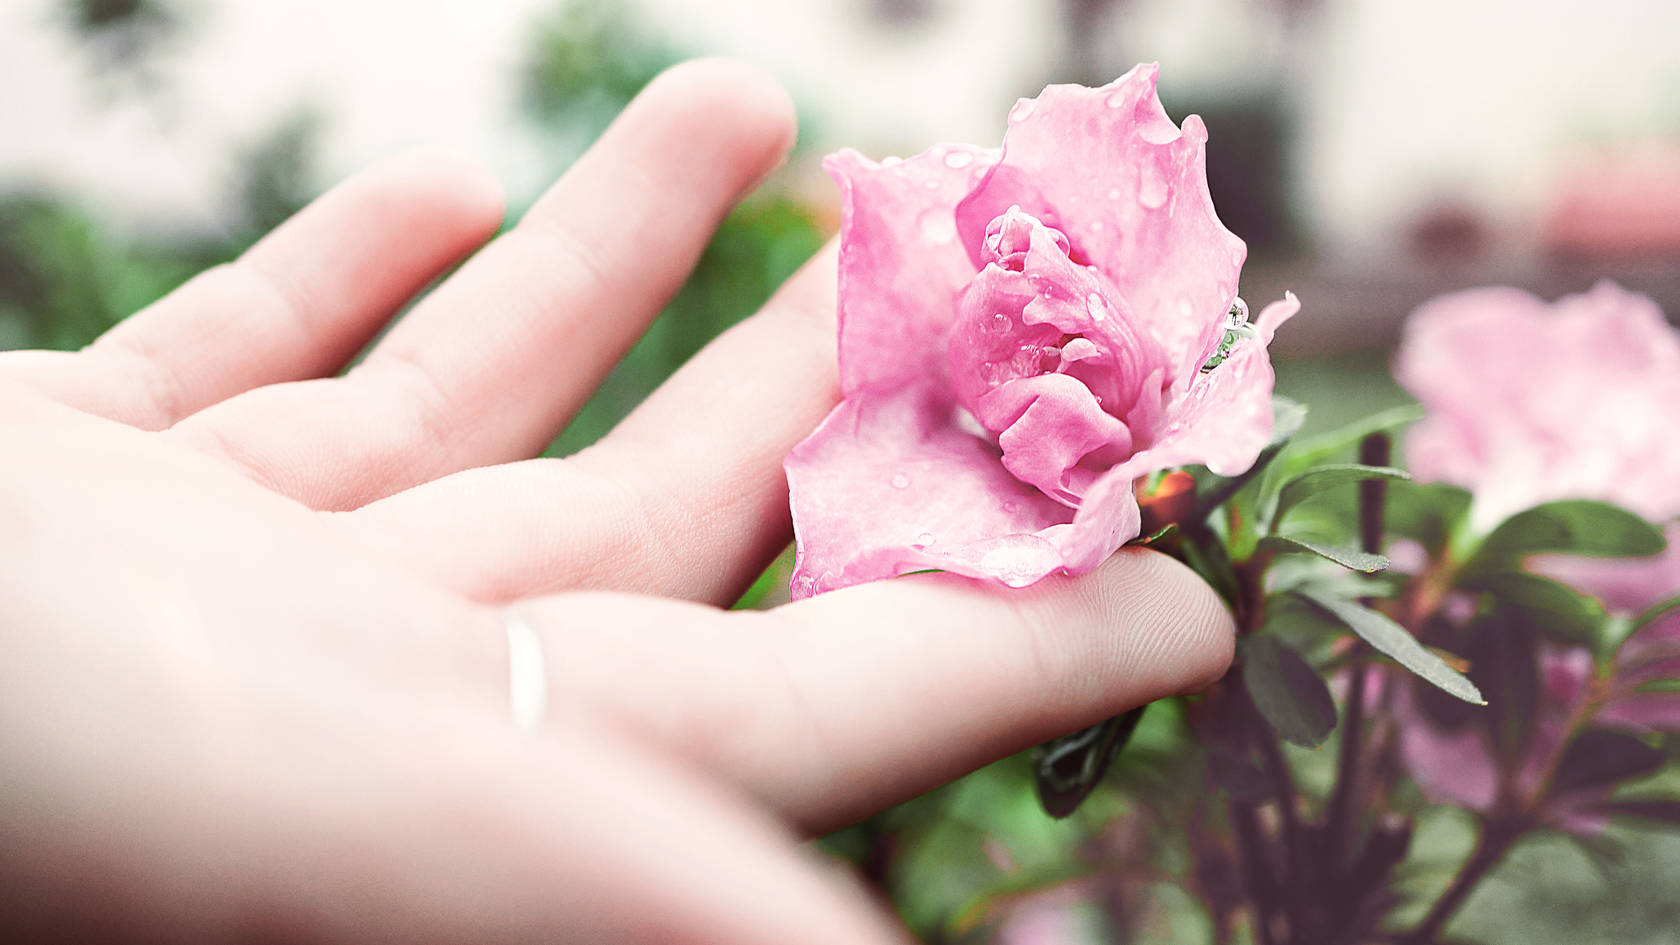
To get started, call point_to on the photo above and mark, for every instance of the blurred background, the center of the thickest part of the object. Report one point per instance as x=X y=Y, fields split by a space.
x=1372 y=153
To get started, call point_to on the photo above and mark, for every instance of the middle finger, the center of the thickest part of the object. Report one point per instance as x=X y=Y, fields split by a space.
x=492 y=364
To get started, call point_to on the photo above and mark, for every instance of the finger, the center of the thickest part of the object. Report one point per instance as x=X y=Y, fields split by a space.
x=842 y=704
x=298 y=304
x=685 y=498
x=491 y=365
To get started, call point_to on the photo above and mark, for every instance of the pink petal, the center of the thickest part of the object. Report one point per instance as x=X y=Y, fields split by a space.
x=1529 y=403
x=1055 y=436
x=1108 y=168
x=901 y=266
x=892 y=482
x=1224 y=419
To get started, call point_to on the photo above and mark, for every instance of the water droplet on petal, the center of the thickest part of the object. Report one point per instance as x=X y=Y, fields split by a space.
x=1096 y=226
x=1117 y=100
x=1001 y=322
x=1114 y=193
x=1239 y=312
x=1152 y=187
x=1023 y=109
x=901 y=481
x=1096 y=307
x=1009 y=506
x=932 y=183
x=922 y=541
x=958 y=159
x=937 y=226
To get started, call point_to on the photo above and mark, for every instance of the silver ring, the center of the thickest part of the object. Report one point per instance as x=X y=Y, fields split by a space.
x=527 y=674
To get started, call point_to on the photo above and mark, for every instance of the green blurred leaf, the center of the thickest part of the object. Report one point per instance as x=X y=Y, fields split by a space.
x=1616 y=632
x=1571 y=526
x=1662 y=811
x=1599 y=758
x=1353 y=558
x=1317 y=480
x=1312 y=451
x=1066 y=770
x=1555 y=609
x=1289 y=693
x=1391 y=639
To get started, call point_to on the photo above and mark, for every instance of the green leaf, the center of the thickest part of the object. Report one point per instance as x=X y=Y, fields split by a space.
x=1066 y=770
x=1599 y=758
x=1289 y=693
x=1572 y=526
x=1555 y=609
x=1427 y=512
x=1663 y=811
x=1616 y=631
x=1308 y=452
x=1314 y=481
x=1391 y=639
x=1353 y=558
x=1212 y=491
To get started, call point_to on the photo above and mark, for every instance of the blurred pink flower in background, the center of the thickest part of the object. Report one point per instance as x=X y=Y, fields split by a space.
x=1529 y=403
x=1023 y=332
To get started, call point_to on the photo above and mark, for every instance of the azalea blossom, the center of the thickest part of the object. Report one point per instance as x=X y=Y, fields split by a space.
x=1024 y=332
x=1529 y=402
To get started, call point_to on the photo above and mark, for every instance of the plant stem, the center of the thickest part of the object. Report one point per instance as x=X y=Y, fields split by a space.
x=1340 y=825
x=1495 y=839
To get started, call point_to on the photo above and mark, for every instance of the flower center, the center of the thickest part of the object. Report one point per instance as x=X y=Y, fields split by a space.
x=1044 y=354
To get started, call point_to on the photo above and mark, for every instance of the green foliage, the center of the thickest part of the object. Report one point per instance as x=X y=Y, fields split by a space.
x=1289 y=693
x=1066 y=770
x=1571 y=526
x=1392 y=640
x=1555 y=609
x=1351 y=558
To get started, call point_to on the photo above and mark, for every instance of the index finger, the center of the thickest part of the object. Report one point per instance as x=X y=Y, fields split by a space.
x=842 y=704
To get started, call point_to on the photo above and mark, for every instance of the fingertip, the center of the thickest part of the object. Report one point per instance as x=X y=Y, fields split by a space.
x=461 y=189
x=744 y=99
x=1193 y=638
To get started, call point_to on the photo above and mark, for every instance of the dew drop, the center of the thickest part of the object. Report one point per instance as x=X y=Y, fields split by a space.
x=1117 y=100
x=1023 y=109
x=1239 y=312
x=1001 y=322
x=1095 y=305
x=991 y=372
x=1096 y=226
x=1152 y=187
x=1009 y=506
x=891 y=160
x=901 y=481
x=932 y=183
x=958 y=159
x=937 y=226
x=922 y=541
x=1114 y=193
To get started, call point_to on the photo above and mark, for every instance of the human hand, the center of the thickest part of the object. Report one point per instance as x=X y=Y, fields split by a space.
x=254 y=668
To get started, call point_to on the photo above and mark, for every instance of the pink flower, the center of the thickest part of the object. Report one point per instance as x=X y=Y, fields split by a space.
x=1529 y=402
x=1023 y=333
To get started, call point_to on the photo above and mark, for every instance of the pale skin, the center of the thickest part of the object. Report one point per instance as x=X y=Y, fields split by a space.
x=253 y=668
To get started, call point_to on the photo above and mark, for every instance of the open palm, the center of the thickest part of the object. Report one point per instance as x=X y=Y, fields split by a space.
x=253 y=665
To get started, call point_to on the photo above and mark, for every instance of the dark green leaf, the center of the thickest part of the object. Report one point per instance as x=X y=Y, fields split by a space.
x=1601 y=759
x=1069 y=768
x=1212 y=491
x=1288 y=692
x=1391 y=639
x=1314 y=481
x=1555 y=609
x=1573 y=526
x=1346 y=557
